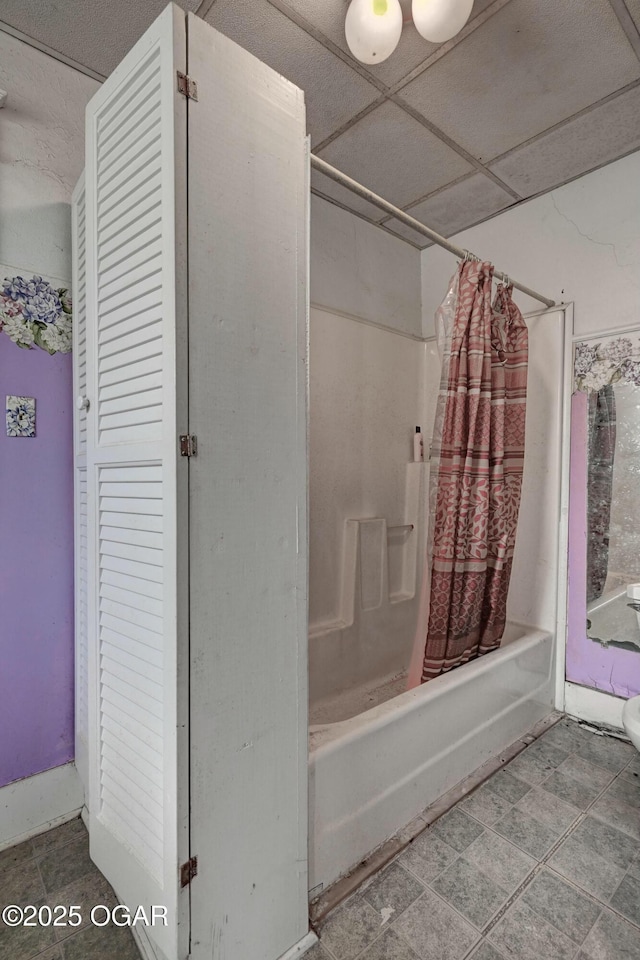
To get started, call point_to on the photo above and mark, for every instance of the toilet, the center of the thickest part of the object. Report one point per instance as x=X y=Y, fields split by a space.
x=633 y=593
x=631 y=720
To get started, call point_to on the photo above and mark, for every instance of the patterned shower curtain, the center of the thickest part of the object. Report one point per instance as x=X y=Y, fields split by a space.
x=479 y=452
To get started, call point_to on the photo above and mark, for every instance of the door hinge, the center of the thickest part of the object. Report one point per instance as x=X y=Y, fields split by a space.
x=187 y=86
x=188 y=871
x=188 y=445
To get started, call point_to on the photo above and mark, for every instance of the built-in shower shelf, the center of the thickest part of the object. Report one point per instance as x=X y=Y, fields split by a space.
x=328 y=626
x=400 y=597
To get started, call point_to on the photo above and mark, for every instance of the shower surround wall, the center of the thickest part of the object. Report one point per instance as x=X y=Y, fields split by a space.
x=368 y=374
x=368 y=390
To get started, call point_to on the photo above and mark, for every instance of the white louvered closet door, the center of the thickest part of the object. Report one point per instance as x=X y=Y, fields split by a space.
x=137 y=483
x=79 y=299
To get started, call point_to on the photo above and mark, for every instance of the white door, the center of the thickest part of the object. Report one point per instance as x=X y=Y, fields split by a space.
x=136 y=481
x=248 y=255
x=79 y=299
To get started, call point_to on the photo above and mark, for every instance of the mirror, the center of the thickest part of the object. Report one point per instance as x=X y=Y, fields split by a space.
x=608 y=371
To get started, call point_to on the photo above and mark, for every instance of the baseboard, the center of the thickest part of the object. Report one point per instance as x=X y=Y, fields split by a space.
x=35 y=804
x=150 y=952
x=593 y=706
x=300 y=948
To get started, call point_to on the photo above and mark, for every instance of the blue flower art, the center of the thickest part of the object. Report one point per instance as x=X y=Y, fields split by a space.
x=33 y=313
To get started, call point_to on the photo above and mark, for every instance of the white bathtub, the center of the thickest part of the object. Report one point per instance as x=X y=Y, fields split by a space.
x=372 y=774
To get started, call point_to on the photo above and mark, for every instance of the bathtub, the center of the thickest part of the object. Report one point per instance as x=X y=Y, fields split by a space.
x=371 y=774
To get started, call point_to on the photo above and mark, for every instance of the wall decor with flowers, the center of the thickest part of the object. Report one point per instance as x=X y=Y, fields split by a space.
x=33 y=313
x=21 y=416
x=611 y=361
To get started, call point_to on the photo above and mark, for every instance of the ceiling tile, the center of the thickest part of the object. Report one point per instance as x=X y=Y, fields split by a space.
x=395 y=156
x=99 y=38
x=329 y=188
x=333 y=91
x=533 y=64
x=461 y=205
x=329 y=15
x=599 y=136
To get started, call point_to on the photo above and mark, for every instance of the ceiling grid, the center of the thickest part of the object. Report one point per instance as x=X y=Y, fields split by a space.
x=529 y=95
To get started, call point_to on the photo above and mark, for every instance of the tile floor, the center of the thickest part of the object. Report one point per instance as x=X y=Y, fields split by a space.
x=542 y=862
x=54 y=868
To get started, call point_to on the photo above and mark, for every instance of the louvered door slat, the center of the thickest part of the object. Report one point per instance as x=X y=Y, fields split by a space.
x=114 y=746
x=143 y=255
x=119 y=580
x=135 y=185
x=139 y=238
x=147 y=792
x=119 y=671
x=121 y=106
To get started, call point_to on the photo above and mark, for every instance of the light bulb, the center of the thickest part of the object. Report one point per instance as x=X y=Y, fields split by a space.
x=439 y=20
x=373 y=29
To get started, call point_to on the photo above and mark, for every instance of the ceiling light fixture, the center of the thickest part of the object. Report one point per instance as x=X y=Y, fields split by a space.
x=440 y=20
x=373 y=27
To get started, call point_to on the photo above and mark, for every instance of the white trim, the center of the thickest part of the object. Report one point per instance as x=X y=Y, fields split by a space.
x=314 y=305
x=567 y=308
x=563 y=307
x=563 y=543
x=593 y=706
x=301 y=947
x=38 y=803
x=613 y=332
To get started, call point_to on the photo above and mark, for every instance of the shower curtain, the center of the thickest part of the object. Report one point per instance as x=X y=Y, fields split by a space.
x=478 y=456
x=602 y=448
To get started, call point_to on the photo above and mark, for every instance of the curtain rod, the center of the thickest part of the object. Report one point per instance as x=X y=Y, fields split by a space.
x=323 y=167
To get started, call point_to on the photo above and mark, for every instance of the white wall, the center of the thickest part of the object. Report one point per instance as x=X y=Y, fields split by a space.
x=359 y=269
x=579 y=243
x=41 y=157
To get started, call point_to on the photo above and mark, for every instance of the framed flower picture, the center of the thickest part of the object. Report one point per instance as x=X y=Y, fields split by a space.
x=21 y=416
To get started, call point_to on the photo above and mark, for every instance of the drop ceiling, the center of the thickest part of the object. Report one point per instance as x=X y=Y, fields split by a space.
x=531 y=94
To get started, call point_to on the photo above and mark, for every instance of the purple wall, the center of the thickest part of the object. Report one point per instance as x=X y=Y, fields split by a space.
x=611 y=669
x=36 y=568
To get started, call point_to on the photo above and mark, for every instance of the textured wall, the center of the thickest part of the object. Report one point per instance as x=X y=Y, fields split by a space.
x=580 y=243
x=41 y=157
